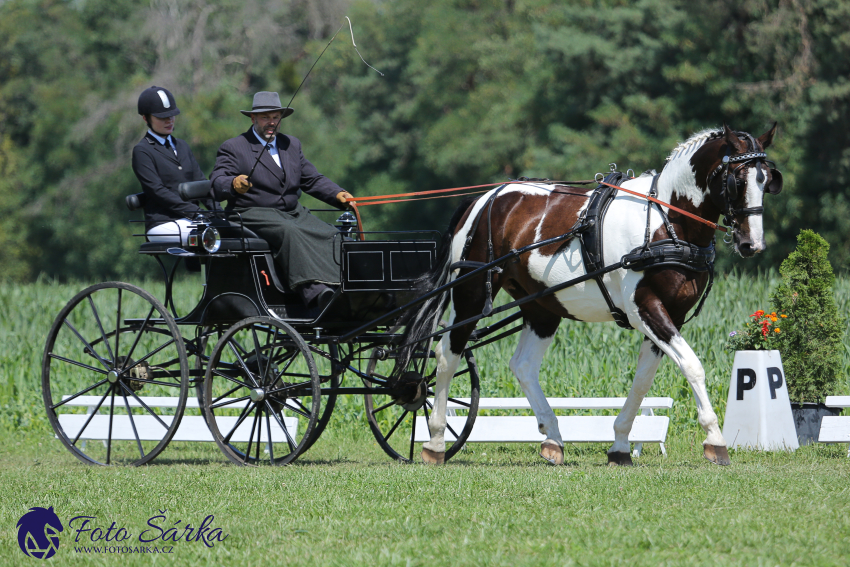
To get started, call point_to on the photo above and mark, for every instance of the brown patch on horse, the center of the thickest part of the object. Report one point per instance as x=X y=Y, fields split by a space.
x=717 y=455
x=432 y=457
x=552 y=452
x=618 y=459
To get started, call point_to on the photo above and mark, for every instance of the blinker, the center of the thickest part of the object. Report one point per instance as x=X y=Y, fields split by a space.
x=775 y=185
x=760 y=173
x=731 y=187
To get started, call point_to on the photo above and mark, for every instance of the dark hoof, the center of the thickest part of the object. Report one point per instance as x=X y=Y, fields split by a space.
x=433 y=457
x=717 y=455
x=619 y=459
x=552 y=452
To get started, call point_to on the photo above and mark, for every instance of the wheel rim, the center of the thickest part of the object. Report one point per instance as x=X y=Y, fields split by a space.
x=114 y=375
x=261 y=378
x=397 y=429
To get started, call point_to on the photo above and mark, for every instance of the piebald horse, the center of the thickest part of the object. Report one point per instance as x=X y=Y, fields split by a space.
x=696 y=178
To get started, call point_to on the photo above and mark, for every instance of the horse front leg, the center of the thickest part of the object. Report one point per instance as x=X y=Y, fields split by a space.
x=525 y=364
x=648 y=360
x=714 y=446
x=434 y=451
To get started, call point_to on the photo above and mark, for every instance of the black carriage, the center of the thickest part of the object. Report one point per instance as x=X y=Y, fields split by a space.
x=253 y=367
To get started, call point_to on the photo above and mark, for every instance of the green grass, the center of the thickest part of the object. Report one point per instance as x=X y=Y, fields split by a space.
x=346 y=503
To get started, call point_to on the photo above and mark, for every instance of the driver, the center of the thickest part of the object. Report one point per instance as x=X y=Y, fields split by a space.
x=303 y=245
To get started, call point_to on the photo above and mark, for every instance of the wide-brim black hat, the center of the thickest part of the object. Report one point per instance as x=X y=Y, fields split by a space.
x=266 y=101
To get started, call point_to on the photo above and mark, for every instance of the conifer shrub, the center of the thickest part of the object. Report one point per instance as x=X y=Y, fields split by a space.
x=811 y=338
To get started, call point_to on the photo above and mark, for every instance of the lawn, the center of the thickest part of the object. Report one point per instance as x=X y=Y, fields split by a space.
x=346 y=503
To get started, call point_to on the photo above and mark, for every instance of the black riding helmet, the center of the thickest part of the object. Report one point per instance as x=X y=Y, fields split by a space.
x=158 y=102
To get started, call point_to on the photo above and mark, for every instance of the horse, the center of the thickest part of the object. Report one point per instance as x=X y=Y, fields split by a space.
x=714 y=172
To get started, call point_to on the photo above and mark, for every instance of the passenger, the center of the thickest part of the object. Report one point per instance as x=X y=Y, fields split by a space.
x=303 y=245
x=161 y=162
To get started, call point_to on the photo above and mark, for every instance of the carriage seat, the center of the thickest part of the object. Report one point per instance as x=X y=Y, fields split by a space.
x=234 y=238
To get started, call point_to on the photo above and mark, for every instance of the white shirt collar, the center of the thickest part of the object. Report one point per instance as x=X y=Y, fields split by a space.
x=274 y=140
x=160 y=139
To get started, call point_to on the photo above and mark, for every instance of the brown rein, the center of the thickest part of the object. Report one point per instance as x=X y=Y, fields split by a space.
x=386 y=199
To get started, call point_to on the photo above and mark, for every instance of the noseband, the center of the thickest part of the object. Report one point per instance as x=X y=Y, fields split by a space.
x=729 y=191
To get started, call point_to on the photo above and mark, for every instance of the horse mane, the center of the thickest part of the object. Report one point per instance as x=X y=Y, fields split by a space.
x=695 y=142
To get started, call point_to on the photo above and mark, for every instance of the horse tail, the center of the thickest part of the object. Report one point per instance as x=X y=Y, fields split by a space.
x=421 y=322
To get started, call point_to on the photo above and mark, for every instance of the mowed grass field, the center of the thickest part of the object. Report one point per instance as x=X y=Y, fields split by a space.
x=346 y=503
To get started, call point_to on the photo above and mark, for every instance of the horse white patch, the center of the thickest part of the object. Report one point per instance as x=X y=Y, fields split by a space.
x=755 y=198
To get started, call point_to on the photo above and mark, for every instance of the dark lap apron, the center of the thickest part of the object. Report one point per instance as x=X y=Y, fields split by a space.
x=303 y=245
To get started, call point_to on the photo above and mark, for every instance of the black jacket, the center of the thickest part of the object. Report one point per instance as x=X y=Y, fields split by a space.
x=273 y=187
x=160 y=172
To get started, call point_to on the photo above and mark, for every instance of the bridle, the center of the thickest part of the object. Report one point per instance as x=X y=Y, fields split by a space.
x=729 y=192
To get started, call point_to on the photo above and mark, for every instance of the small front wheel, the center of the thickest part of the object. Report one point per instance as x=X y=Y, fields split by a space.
x=262 y=393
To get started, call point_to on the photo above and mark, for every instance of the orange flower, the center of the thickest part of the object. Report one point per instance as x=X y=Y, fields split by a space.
x=776 y=330
x=774 y=318
x=784 y=316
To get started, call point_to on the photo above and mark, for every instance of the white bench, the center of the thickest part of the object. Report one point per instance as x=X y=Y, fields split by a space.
x=647 y=428
x=192 y=427
x=836 y=428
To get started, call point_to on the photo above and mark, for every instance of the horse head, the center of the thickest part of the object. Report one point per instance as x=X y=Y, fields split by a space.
x=733 y=169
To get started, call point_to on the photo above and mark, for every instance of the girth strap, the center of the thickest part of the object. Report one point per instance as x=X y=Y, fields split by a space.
x=591 y=239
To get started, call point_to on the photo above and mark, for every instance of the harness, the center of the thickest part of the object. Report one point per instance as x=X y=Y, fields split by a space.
x=588 y=227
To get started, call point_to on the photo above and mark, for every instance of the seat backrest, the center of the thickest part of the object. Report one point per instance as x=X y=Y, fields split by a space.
x=191 y=190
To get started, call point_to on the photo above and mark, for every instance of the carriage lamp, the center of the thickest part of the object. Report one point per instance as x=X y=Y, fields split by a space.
x=211 y=239
x=347 y=221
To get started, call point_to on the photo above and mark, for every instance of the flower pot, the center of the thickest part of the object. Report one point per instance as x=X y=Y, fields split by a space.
x=807 y=418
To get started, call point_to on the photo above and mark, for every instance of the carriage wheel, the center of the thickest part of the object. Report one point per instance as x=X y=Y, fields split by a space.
x=401 y=424
x=329 y=401
x=262 y=378
x=114 y=375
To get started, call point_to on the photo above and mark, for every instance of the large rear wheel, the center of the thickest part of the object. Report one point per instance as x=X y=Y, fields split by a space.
x=399 y=421
x=114 y=375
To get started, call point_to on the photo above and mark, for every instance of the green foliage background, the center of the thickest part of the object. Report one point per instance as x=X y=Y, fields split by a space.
x=475 y=91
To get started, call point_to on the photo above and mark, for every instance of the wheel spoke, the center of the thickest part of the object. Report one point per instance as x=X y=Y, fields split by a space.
x=457 y=401
x=88 y=346
x=251 y=437
x=296 y=410
x=242 y=363
x=92 y=414
x=259 y=433
x=289 y=439
x=228 y=402
x=118 y=322
x=271 y=444
x=68 y=399
x=390 y=434
x=258 y=351
x=76 y=363
x=218 y=372
x=109 y=435
x=383 y=407
x=412 y=436
x=132 y=421
x=100 y=326
x=147 y=356
x=138 y=334
x=149 y=410
x=290 y=387
x=224 y=395
x=239 y=421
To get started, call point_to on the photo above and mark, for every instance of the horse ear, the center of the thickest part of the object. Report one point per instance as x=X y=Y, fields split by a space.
x=732 y=139
x=767 y=138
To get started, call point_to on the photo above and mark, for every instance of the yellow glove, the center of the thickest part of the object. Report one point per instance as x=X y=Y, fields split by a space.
x=241 y=184
x=344 y=196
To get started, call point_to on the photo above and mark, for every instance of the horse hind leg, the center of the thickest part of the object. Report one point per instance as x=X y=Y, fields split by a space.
x=648 y=360
x=434 y=450
x=536 y=336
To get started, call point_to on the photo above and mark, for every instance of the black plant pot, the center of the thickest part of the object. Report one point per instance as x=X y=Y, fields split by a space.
x=807 y=418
